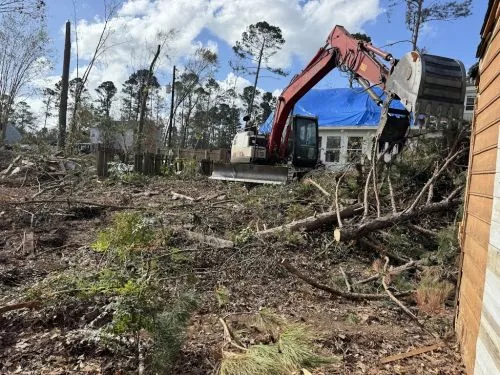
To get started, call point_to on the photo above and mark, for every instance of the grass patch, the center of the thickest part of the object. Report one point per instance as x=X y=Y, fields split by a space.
x=432 y=292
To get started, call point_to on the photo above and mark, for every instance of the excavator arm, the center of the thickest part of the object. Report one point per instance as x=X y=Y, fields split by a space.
x=426 y=84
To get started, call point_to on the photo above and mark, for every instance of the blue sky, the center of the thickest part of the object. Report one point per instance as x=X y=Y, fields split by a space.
x=457 y=39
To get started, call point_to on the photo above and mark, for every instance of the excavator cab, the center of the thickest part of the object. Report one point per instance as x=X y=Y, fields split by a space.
x=302 y=148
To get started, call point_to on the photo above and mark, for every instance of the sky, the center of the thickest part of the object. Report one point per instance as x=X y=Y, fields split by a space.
x=217 y=24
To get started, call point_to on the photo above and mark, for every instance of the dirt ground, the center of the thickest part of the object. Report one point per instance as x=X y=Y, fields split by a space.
x=49 y=340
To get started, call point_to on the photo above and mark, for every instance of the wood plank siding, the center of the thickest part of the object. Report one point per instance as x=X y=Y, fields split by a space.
x=478 y=313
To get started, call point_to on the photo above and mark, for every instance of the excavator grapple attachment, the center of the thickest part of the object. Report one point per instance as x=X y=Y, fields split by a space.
x=250 y=173
x=429 y=85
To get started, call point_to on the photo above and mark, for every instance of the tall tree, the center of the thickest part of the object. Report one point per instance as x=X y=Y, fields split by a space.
x=417 y=13
x=28 y=7
x=259 y=42
x=23 y=46
x=49 y=98
x=106 y=91
x=23 y=118
x=110 y=9
x=199 y=67
x=249 y=94
x=144 y=92
x=132 y=88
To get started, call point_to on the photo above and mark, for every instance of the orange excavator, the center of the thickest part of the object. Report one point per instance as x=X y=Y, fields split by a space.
x=426 y=85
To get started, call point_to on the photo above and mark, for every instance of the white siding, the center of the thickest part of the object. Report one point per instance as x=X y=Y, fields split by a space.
x=344 y=133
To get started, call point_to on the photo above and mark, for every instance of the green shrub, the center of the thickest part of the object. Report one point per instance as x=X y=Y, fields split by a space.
x=129 y=231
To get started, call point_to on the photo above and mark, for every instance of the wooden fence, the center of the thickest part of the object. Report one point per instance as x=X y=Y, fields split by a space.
x=218 y=155
x=153 y=164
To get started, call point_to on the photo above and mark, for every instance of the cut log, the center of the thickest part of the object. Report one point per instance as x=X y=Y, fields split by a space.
x=9 y=168
x=313 y=222
x=216 y=242
x=176 y=196
x=346 y=234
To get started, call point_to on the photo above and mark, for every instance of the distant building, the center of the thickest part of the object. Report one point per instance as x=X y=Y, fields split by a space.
x=122 y=136
x=12 y=135
x=348 y=120
x=470 y=97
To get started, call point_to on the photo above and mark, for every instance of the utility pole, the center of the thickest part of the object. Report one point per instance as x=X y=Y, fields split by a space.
x=170 y=121
x=63 y=104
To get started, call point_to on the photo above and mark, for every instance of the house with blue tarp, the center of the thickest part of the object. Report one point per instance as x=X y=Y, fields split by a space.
x=347 y=120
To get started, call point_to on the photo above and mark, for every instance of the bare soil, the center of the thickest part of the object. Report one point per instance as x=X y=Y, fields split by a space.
x=51 y=340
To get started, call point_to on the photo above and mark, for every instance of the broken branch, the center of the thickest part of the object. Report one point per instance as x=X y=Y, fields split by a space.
x=309 y=181
x=333 y=291
x=176 y=196
x=22 y=305
x=346 y=279
x=411 y=353
x=393 y=297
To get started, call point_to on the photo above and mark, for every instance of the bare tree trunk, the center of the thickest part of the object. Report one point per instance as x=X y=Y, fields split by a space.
x=416 y=26
x=250 y=108
x=63 y=104
x=142 y=114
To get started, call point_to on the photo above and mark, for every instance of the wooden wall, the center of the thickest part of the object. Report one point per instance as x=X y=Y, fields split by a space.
x=477 y=321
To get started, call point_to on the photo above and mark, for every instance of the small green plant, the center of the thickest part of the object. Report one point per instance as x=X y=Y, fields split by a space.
x=128 y=232
x=222 y=296
x=242 y=237
x=352 y=318
x=130 y=281
x=168 y=332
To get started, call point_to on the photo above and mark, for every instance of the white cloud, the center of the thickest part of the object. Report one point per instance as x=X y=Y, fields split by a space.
x=137 y=27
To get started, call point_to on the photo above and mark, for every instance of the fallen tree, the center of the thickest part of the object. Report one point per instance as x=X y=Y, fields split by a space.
x=313 y=222
x=348 y=234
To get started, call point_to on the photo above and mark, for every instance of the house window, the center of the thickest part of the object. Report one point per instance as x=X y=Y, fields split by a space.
x=354 y=148
x=469 y=103
x=320 y=141
x=332 y=154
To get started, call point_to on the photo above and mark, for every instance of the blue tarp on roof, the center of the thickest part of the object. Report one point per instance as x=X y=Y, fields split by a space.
x=338 y=107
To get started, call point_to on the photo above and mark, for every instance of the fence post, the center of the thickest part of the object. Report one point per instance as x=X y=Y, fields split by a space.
x=138 y=163
x=158 y=164
x=102 y=165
